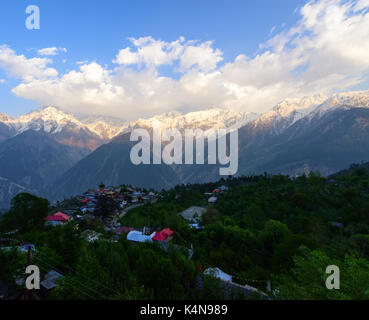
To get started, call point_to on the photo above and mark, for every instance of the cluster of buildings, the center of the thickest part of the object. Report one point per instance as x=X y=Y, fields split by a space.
x=212 y=197
x=85 y=206
x=126 y=198
x=123 y=196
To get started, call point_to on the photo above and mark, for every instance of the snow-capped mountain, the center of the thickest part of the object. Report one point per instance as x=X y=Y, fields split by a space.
x=208 y=119
x=323 y=133
x=289 y=111
x=5 y=118
x=53 y=120
x=347 y=100
x=64 y=127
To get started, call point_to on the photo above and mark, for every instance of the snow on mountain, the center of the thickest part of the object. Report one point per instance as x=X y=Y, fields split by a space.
x=207 y=119
x=105 y=127
x=347 y=100
x=283 y=115
x=5 y=118
x=50 y=120
x=289 y=111
x=53 y=120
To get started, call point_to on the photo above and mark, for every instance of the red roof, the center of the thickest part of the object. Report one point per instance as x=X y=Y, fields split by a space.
x=54 y=218
x=163 y=235
x=59 y=216
x=63 y=215
x=86 y=201
x=215 y=190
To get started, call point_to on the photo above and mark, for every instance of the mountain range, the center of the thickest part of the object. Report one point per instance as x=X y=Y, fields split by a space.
x=58 y=154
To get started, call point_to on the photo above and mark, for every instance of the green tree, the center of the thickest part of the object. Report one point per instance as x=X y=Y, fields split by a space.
x=27 y=212
x=106 y=206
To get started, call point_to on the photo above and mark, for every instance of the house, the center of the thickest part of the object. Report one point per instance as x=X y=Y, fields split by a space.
x=101 y=187
x=216 y=191
x=124 y=229
x=136 y=194
x=51 y=280
x=90 y=210
x=230 y=288
x=164 y=235
x=56 y=219
x=64 y=216
x=212 y=199
x=70 y=212
x=217 y=273
x=192 y=213
x=137 y=236
x=195 y=226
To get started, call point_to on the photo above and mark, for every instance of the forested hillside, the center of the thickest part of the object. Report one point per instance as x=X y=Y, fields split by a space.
x=264 y=228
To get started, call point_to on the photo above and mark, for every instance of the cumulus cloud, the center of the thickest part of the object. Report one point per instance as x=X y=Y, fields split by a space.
x=33 y=69
x=326 y=51
x=152 y=53
x=52 y=51
x=2 y=81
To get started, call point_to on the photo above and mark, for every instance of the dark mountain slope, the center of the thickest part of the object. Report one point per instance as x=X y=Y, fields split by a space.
x=34 y=160
x=325 y=144
x=111 y=164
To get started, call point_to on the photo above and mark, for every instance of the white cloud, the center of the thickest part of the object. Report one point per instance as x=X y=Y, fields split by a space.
x=28 y=70
x=52 y=51
x=203 y=56
x=153 y=53
x=326 y=51
x=2 y=81
x=82 y=62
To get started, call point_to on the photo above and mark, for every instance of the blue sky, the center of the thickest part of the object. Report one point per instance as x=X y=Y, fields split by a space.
x=96 y=31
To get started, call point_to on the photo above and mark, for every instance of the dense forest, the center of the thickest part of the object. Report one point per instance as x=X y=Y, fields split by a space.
x=265 y=228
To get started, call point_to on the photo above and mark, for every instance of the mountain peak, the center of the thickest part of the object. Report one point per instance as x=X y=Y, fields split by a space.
x=206 y=119
x=49 y=113
x=5 y=118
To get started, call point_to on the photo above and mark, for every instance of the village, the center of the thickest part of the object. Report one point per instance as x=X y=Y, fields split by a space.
x=83 y=210
x=97 y=214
